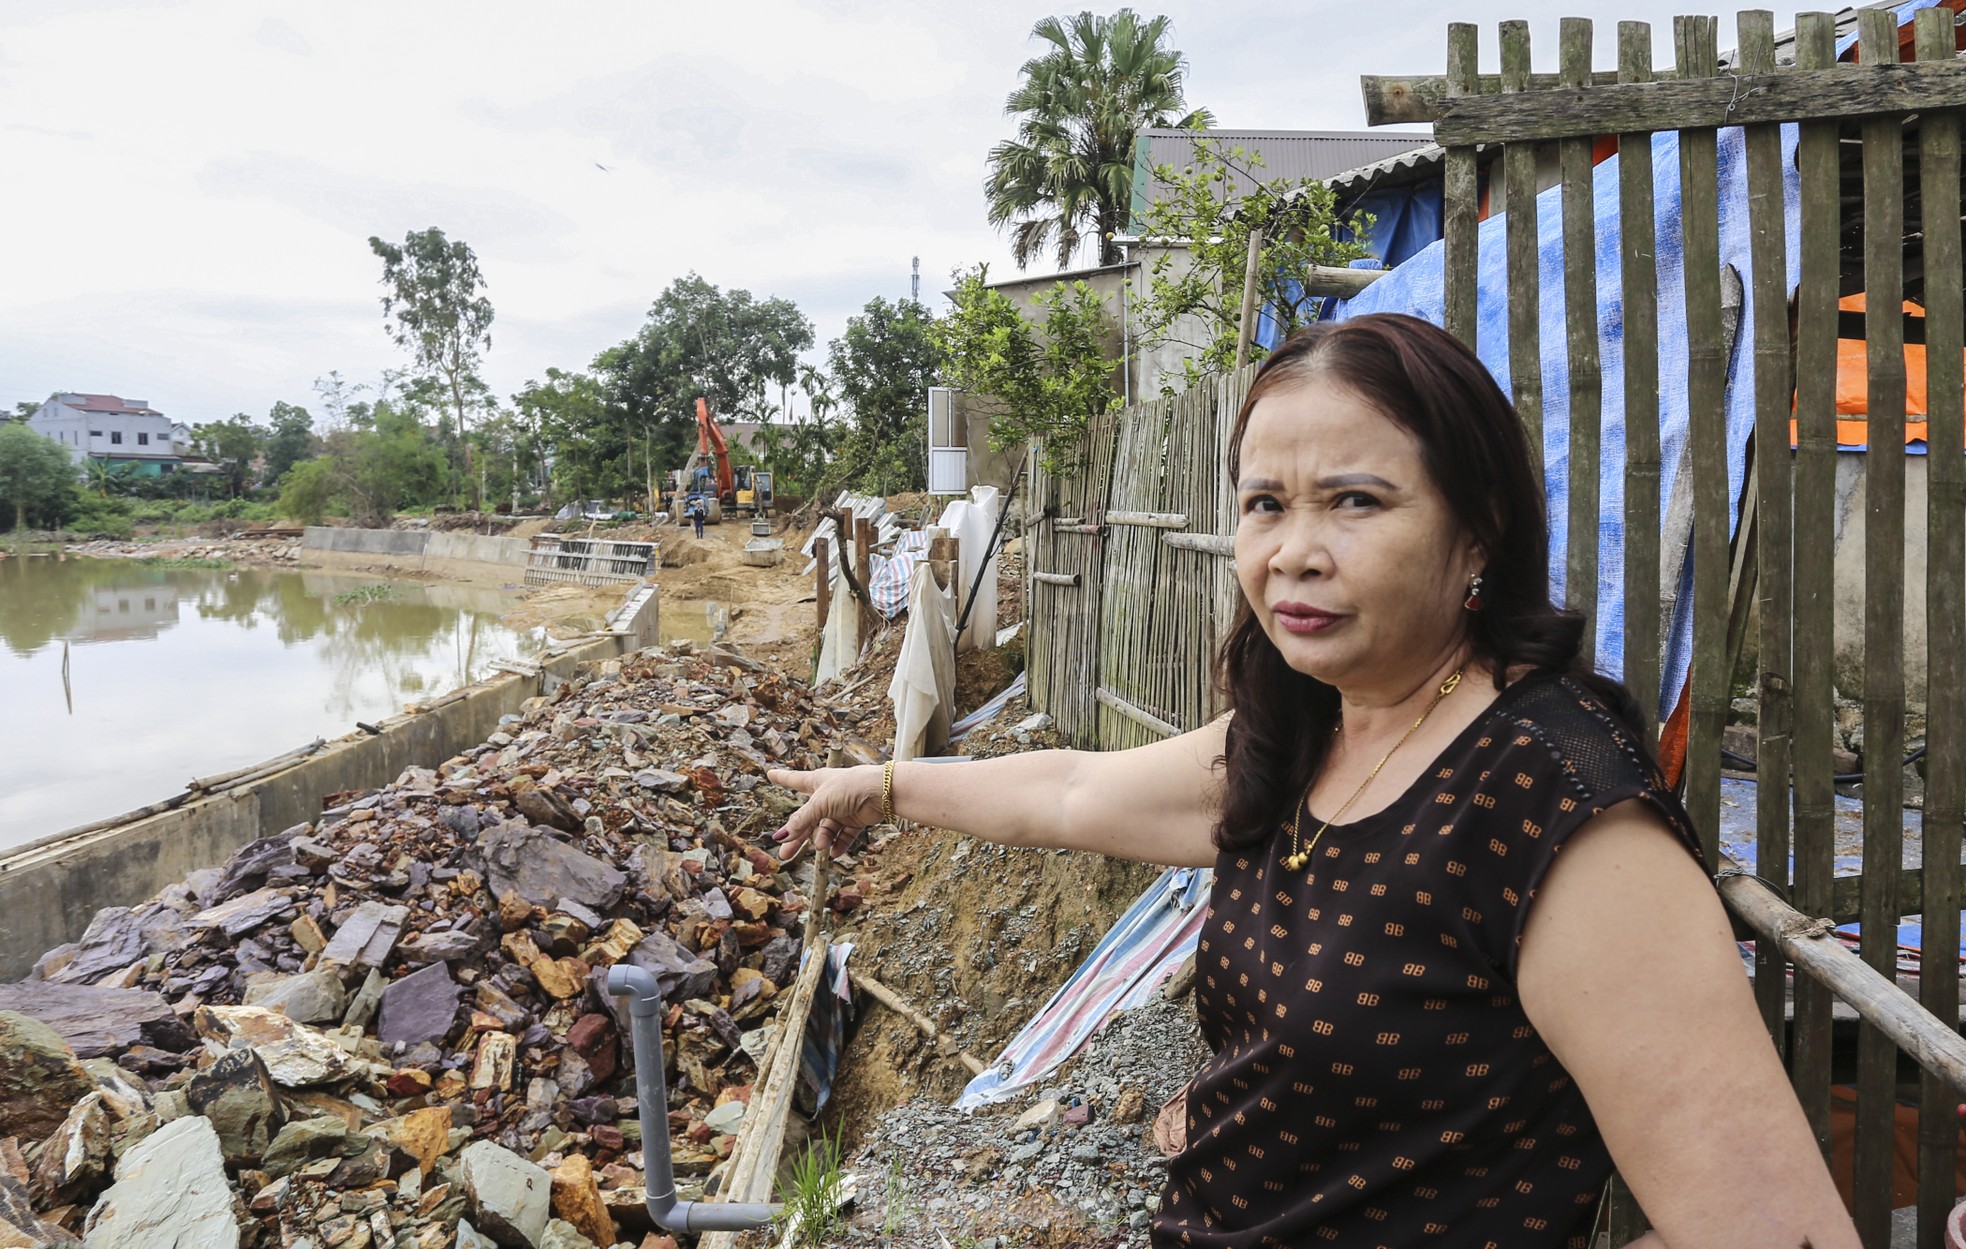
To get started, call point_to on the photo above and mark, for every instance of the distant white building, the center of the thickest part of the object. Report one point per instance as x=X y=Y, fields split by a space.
x=113 y=431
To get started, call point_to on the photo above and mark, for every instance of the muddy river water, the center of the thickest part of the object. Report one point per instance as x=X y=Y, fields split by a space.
x=119 y=682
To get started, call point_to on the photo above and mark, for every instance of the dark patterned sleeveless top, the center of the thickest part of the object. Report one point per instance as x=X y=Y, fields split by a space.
x=1375 y=1083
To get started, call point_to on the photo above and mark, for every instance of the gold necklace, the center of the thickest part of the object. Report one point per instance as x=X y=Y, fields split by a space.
x=1297 y=859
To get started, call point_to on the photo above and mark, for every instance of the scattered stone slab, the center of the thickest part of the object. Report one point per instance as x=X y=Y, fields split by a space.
x=543 y=869
x=306 y=997
x=113 y=940
x=39 y=1078
x=509 y=1198
x=368 y=936
x=243 y=914
x=170 y=1191
x=295 y=1056
x=420 y=1008
x=97 y=1021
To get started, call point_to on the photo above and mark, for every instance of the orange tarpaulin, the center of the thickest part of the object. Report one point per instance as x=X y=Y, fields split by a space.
x=1853 y=385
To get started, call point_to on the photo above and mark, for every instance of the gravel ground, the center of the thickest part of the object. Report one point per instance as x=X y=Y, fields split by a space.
x=933 y=1176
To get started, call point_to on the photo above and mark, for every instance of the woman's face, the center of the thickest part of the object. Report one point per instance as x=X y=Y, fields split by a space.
x=1345 y=548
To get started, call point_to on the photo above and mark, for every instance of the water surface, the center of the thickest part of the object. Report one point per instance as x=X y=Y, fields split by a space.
x=120 y=682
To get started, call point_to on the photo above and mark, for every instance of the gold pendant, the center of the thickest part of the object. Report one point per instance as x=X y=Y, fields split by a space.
x=1296 y=862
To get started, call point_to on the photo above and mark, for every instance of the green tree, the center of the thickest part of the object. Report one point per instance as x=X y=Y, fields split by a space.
x=727 y=347
x=568 y=416
x=1050 y=378
x=387 y=462
x=1069 y=169
x=1213 y=204
x=36 y=476
x=883 y=366
x=232 y=444
x=435 y=309
x=289 y=438
x=307 y=489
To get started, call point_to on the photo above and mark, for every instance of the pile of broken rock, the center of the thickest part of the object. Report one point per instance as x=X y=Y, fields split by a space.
x=388 y=1028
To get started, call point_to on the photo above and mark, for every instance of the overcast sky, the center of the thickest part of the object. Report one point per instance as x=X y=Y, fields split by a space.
x=189 y=187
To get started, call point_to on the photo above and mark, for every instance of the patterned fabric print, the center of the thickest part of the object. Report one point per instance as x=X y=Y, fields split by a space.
x=1375 y=1082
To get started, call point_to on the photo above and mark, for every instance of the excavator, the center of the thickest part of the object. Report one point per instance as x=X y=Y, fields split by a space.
x=710 y=479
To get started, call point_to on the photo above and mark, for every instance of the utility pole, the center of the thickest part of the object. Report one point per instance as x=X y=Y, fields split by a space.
x=915 y=283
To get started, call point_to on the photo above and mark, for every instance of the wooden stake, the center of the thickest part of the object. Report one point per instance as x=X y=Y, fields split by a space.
x=895 y=1002
x=1245 y=320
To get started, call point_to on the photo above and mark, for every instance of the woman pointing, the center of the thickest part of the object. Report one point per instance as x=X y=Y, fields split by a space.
x=1462 y=956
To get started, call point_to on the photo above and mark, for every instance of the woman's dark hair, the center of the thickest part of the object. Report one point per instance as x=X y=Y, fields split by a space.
x=1472 y=443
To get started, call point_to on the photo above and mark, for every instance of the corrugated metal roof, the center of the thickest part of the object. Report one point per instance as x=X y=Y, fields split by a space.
x=1296 y=154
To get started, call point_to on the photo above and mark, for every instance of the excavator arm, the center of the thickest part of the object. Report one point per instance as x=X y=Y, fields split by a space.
x=710 y=443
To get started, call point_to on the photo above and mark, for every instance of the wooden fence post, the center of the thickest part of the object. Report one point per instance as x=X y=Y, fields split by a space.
x=822 y=573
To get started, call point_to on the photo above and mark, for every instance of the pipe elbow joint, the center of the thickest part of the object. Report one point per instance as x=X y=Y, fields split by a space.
x=638 y=983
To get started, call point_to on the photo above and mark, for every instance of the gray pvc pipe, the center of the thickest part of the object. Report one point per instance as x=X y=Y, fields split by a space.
x=651 y=1091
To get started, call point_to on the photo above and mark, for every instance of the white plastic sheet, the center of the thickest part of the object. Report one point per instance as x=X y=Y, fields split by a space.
x=923 y=690
x=972 y=521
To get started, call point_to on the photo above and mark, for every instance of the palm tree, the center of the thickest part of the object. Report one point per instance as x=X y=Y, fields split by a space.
x=1070 y=167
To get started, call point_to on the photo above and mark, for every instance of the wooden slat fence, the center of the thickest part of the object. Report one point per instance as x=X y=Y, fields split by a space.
x=1123 y=656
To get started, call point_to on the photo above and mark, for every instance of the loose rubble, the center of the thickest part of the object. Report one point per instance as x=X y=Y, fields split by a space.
x=240 y=548
x=388 y=1028
x=1073 y=1165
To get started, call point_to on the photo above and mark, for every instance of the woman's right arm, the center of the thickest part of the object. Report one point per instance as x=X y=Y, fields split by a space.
x=1156 y=803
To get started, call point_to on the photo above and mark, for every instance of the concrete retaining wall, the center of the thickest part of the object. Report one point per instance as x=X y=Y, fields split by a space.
x=49 y=891
x=413 y=550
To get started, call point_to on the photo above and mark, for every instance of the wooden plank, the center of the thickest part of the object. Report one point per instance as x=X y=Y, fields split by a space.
x=1812 y=945
x=822 y=583
x=1945 y=617
x=1461 y=193
x=1815 y=539
x=1638 y=277
x=1706 y=383
x=761 y=1137
x=1524 y=276
x=1580 y=335
x=1773 y=524
x=1700 y=100
x=1221 y=545
x=1417 y=99
x=1148 y=520
x=1884 y=588
x=1143 y=718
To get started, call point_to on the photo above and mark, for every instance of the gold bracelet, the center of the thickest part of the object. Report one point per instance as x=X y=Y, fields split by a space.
x=887 y=792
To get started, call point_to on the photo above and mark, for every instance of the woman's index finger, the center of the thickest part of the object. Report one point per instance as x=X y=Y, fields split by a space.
x=789 y=778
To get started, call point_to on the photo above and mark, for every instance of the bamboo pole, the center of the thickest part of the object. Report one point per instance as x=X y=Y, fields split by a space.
x=895 y=1002
x=1945 y=616
x=1812 y=946
x=1773 y=391
x=1461 y=190
x=822 y=571
x=1216 y=544
x=1815 y=496
x=1145 y=719
x=1148 y=520
x=1639 y=273
x=1580 y=335
x=1246 y=318
x=1884 y=587
x=1525 y=279
x=1706 y=385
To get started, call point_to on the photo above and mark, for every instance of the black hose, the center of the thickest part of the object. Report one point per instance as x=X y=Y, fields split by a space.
x=1741 y=763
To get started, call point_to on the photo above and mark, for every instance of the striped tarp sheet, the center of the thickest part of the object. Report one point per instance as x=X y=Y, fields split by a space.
x=988 y=711
x=1129 y=963
x=888 y=587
